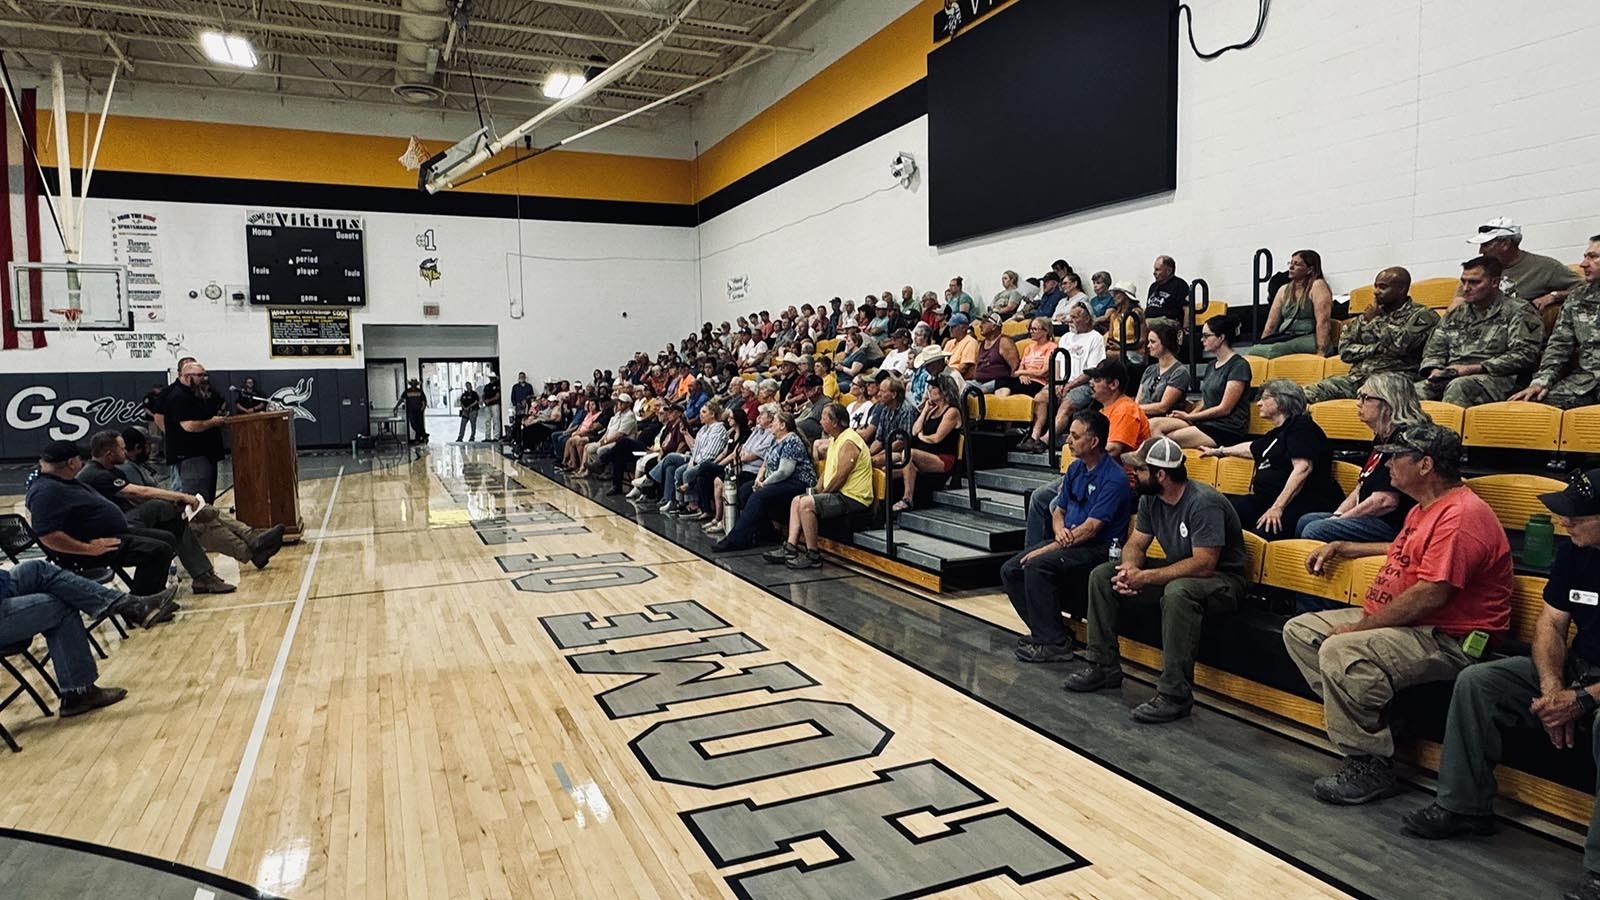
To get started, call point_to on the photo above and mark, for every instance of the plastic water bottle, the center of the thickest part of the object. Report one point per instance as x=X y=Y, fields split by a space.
x=1115 y=553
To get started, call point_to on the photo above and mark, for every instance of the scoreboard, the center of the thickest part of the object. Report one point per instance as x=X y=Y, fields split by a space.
x=305 y=259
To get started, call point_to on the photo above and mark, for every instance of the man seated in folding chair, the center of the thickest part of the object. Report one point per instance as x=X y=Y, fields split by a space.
x=79 y=527
x=38 y=597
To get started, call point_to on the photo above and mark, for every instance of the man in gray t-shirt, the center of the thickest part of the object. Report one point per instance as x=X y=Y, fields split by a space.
x=1203 y=543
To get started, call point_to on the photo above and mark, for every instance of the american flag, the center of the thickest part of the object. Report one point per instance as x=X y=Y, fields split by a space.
x=19 y=221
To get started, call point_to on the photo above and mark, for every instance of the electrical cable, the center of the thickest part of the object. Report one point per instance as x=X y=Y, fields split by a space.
x=803 y=219
x=1261 y=22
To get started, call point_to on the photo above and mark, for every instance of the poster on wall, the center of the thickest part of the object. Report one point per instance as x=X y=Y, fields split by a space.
x=310 y=332
x=138 y=345
x=136 y=243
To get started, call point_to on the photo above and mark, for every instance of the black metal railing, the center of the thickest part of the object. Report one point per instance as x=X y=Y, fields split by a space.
x=891 y=478
x=966 y=440
x=1051 y=400
x=1198 y=288
x=1261 y=275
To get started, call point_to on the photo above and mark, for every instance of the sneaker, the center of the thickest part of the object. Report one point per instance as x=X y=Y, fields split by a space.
x=159 y=613
x=642 y=482
x=1045 y=653
x=1094 y=677
x=1587 y=889
x=1361 y=779
x=1160 y=709
x=209 y=583
x=672 y=510
x=76 y=703
x=1434 y=822
x=635 y=494
x=805 y=559
x=711 y=527
x=136 y=607
x=782 y=553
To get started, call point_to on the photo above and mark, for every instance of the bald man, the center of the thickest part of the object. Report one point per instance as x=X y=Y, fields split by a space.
x=194 y=433
x=1388 y=336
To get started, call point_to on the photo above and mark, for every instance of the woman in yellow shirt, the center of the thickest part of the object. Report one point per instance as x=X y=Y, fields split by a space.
x=844 y=489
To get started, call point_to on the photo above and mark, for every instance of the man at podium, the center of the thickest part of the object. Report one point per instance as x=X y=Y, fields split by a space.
x=194 y=432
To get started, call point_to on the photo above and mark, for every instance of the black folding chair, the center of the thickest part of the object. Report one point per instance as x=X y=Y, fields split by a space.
x=24 y=650
x=17 y=538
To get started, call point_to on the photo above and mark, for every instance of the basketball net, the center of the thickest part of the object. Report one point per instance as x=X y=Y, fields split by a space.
x=416 y=154
x=70 y=318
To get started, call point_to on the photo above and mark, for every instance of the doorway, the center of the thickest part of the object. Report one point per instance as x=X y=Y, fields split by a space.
x=443 y=380
x=386 y=379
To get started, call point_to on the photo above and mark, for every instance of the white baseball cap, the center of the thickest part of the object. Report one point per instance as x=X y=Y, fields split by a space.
x=1157 y=452
x=1496 y=228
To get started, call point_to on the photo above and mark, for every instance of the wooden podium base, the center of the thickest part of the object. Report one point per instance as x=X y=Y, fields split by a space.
x=266 y=472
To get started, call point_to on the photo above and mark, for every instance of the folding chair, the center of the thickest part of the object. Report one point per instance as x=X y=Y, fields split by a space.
x=17 y=538
x=23 y=649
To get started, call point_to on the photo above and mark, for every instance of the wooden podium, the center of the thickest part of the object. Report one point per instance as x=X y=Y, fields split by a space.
x=266 y=471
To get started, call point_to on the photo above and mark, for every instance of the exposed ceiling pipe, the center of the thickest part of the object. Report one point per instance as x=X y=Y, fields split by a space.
x=422 y=26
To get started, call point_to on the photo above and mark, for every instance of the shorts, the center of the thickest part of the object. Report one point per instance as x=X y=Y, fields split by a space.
x=1225 y=437
x=836 y=506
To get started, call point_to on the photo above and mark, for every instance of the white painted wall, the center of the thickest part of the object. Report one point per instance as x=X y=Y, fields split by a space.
x=1378 y=132
x=574 y=280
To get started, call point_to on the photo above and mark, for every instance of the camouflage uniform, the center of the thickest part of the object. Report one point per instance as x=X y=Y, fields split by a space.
x=1572 y=355
x=1388 y=342
x=1504 y=338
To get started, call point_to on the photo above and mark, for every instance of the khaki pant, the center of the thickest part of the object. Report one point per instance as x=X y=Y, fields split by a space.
x=1358 y=673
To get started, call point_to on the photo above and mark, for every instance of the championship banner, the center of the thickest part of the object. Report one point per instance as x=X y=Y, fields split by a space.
x=136 y=243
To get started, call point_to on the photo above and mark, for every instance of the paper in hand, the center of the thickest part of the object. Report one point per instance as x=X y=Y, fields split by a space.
x=189 y=512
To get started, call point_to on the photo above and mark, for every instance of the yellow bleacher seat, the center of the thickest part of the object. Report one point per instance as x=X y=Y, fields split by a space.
x=828 y=345
x=1580 y=430
x=1255 y=553
x=1258 y=370
x=1285 y=568
x=1435 y=293
x=1213 y=309
x=1514 y=425
x=1449 y=415
x=1014 y=329
x=1234 y=475
x=1515 y=497
x=846 y=399
x=1335 y=366
x=1015 y=408
x=1347 y=474
x=1201 y=468
x=880 y=484
x=1258 y=425
x=1361 y=298
x=1527 y=602
x=1363 y=572
x=1066 y=459
x=1023 y=345
x=1300 y=368
x=1340 y=421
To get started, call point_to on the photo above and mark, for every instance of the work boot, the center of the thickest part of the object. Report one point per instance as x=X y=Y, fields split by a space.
x=1362 y=779
x=805 y=559
x=209 y=583
x=1434 y=822
x=781 y=554
x=1093 y=677
x=76 y=703
x=1161 y=709
x=1030 y=652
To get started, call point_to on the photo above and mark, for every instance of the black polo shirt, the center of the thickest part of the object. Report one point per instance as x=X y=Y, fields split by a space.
x=73 y=508
x=184 y=405
x=108 y=482
x=1167 y=299
x=1574 y=588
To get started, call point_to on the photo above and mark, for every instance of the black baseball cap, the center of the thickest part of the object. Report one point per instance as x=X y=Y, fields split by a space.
x=61 y=451
x=1579 y=499
x=1109 y=369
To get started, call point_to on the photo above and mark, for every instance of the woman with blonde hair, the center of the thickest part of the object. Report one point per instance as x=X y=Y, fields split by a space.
x=1374 y=511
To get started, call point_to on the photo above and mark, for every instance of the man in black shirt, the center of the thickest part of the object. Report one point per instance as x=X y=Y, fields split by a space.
x=217 y=531
x=151 y=508
x=416 y=404
x=522 y=392
x=1555 y=689
x=1168 y=297
x=75 y=522
x=194 y=432
x=249 y=399
x=469 y=403
x=491 y=409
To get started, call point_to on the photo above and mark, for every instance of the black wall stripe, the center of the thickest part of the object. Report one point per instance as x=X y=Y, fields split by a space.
x=249 y=192
x=900 y=108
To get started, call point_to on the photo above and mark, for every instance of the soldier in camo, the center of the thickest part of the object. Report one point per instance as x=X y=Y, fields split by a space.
x=1567 y=375
x=1485 y=346
x=1388 y=336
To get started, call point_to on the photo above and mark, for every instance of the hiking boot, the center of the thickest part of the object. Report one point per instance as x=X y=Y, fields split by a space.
x=135 y=607
x=805 y=559
x=1587 y=889
x=76 y=703
x=156 y=613
x=1434 y=823
x=1362 y=779
x=781 y=553
x=1030 y=652
x=266 y=546
x=209 y=583
x=1161 y=709
x=1094 y=677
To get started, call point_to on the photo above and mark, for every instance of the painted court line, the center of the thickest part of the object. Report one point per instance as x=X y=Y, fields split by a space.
x=229 y=826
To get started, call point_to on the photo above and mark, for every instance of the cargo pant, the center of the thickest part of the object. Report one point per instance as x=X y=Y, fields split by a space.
x=1358 y=673
x=1184 y=605
x=1469 y=390
x=1334 y=387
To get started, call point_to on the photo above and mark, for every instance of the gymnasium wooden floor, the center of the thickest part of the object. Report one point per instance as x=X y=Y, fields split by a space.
x=470 y=681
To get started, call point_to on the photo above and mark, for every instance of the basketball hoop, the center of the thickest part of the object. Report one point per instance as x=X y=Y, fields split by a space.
x=416 y=154
x=69 y=317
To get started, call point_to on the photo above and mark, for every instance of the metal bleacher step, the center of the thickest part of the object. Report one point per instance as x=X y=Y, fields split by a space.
x=1039 y=461
x=1014 y=479
x=1000 y=504
x=963 y=526
x=926 y=551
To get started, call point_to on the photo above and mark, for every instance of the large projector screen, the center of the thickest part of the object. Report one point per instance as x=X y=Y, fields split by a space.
x=1049 y=107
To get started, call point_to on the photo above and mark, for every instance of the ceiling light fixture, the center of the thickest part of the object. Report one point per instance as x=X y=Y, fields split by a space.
x=561 y=85
x=228 y=49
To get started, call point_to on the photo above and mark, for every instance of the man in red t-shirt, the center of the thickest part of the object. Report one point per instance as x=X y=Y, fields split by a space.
x=1441 y=598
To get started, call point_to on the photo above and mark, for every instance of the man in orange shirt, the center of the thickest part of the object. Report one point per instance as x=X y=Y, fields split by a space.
x=962 y=346
x=1440 y=601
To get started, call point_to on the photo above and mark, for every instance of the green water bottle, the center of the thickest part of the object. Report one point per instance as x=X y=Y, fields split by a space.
x=1538 y=548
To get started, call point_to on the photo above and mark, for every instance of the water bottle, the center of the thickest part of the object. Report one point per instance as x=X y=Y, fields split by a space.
x=1115 y=553
x=1538 y=548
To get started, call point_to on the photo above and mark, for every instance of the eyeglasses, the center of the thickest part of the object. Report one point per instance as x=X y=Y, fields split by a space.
x=1363 y=398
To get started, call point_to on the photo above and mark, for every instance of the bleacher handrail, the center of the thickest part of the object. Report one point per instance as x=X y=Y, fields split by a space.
x=966 y=440
x=1051 y=383
x=1259 y=277
x=891 y=472
x=1196 y=288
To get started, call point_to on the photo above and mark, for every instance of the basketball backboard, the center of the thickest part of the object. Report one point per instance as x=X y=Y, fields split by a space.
x=43 y=294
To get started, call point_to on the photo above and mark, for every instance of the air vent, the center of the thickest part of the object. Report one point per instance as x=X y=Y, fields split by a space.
x=417 y=93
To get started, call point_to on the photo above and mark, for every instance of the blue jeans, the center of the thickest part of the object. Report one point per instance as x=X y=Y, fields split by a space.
x=1324 y=527
x=558 y=442
x=665 y=473
x=51 y=601
x=1039 y=502
x=771 y=502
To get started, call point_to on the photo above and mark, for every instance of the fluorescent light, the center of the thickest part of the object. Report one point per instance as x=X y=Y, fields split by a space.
x=560 y=85
x=228 y=49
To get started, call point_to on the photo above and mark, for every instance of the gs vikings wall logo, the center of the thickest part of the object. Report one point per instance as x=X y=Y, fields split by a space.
x=429 y=270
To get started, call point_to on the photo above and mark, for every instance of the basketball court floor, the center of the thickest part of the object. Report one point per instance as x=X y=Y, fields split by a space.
x=472 y=681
